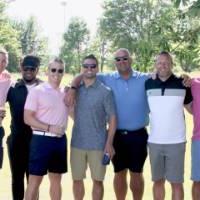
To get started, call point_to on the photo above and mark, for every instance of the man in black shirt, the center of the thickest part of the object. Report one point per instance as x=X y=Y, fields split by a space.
x=19 y=138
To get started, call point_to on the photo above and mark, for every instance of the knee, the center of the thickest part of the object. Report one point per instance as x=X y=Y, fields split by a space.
x=98 y=183
x=77 y=183
x=159 y=183
x=121 y=176
x=137 y=179
x=196 y=184
x=177 y=186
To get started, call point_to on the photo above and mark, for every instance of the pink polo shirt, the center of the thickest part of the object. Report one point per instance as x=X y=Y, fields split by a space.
x=196 y=108
x=4 y=87
x=48 y=104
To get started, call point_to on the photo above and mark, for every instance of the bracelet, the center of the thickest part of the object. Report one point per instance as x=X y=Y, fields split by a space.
x=48 y=128
x=74 y=87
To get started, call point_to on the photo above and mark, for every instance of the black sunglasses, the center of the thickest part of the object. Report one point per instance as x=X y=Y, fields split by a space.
x=54 y=70
x=117 y=59
x=92 y=66
x=32 y=69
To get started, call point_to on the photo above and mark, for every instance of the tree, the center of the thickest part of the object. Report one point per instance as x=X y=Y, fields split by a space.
x=8 y=39
x=75 y=44
x=32 y=42
x=146 y=27
x=100 y=47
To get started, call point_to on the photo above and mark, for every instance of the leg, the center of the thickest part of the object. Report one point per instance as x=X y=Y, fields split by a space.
x=137 y=185
x=159 y=190
x=196 y=190
x=55 y=186
x=97 y=190
x=177 y=191
x=18 y=159
x=78 y=189
x=33 y=187
x=195 y=176
x=78 y=160
x=97 y=173
x=120 y=185
x=1 y=145
x=175 y=156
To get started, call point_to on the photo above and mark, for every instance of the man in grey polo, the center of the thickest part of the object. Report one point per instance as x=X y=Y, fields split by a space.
x=90 y=140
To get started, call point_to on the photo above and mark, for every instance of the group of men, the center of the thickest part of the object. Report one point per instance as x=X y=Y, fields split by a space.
x=110 y=114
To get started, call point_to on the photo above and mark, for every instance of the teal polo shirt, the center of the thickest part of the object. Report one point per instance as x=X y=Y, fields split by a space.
x=130 y=98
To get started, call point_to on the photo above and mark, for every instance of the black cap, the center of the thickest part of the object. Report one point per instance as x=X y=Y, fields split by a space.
x=30 y=60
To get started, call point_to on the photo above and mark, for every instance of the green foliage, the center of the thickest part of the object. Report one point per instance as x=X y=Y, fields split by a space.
x=8 y=39
x=21 y=38
x=75 y=44
x=146 y=27
x=32 y=42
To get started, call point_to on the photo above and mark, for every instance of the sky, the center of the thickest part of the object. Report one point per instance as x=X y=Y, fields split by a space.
x=52 y=15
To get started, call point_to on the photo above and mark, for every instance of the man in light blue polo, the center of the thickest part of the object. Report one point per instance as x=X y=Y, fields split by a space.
x=130 y=141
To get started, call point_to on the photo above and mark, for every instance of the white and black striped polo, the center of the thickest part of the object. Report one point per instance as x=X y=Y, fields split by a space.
x=166 y=101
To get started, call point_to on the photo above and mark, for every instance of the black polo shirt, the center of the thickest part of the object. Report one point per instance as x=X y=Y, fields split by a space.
x=16 y=98
x=166 y=101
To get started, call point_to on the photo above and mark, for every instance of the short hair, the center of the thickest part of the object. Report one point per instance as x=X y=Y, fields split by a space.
x=91 y=56
x=30 y=60
x=165 y=53
x=124 y=50
x=58 y=60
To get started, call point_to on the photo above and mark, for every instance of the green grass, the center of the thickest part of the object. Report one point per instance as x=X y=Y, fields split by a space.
x=5 y=177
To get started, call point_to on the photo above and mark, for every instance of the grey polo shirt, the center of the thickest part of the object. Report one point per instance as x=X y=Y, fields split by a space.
x=94 y=106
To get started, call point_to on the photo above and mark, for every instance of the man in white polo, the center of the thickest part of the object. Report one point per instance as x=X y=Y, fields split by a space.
x=47 y=114
x=166 y=98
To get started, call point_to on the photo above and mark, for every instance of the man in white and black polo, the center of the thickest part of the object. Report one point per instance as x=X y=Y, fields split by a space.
x=166 y=98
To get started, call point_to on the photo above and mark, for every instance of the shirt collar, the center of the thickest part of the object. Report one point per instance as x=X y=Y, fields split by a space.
x=46 y=85
x=134 y=74
x=168 y=80
x=20 y=82
x=94 y=85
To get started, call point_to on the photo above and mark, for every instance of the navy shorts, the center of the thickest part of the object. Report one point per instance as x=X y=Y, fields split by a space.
x=1 y=146
x=130 y=150
x=47 y=154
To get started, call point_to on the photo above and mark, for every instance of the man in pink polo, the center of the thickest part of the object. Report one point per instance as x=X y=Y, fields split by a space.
x=4 y=86
x=195 y=109
x=47 y=114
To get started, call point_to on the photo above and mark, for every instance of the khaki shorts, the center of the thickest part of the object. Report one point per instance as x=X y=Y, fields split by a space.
x=79 y=160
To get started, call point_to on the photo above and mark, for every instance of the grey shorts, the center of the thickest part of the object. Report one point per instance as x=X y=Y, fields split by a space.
x=195 y=176
x=167 y=162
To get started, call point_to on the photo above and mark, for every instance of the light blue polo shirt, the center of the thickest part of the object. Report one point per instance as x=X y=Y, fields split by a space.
x=130 y=98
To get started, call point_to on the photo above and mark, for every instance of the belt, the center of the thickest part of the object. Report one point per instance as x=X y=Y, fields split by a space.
x=126 y=132
x=43 y=133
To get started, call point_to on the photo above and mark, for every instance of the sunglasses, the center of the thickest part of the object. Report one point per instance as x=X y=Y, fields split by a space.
x=92 y=66
x=54 y=70
x=118 y=59
x=32 y=69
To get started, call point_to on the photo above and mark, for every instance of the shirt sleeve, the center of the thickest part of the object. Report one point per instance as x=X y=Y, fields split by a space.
x=102 y=77
x=31 y=100
x=188 y=96
x=4 y=87
x=109 y=104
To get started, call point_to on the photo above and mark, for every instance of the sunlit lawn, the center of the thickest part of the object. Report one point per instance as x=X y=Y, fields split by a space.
x=5 y=177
